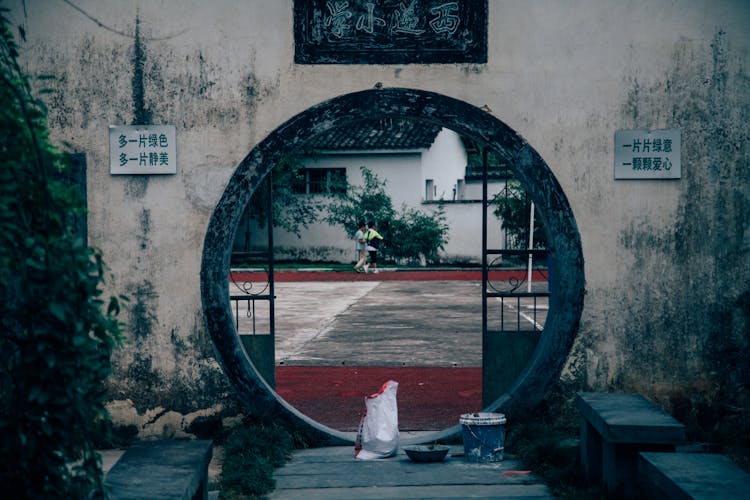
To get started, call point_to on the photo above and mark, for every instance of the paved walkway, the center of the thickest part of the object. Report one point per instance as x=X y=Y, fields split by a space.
x=413 y=323
x=423 y=319
x=334 y=473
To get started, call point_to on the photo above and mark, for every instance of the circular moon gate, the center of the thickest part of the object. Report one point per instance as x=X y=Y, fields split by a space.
x=566 y=262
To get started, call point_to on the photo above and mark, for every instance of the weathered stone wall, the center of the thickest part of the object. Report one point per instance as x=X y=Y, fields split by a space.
x=667 y=310
x=674 y=317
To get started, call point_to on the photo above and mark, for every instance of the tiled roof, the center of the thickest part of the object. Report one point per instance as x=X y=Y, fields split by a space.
x=380 y=134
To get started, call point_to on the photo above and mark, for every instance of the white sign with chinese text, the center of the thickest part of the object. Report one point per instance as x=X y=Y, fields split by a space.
x=142 y=149
x=647 y=154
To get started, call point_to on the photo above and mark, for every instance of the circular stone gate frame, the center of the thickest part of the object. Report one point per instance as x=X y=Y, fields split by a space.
x=566 y=262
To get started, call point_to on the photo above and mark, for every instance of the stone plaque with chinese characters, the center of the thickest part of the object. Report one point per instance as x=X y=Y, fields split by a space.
x=390 y=31
x=647 y=154
x=142 y=149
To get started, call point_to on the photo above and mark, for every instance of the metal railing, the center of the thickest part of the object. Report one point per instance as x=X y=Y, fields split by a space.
x=522 y=300
x=249 y=312
x=251 y=292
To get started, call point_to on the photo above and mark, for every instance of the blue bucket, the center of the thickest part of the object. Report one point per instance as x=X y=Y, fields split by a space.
x=484 y=436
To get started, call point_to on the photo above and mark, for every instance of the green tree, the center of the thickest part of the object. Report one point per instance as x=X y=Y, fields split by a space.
x=56 y=331
x=368 y=202
x=513 y=208
x=290 y=208
x=290 y=211
x=416 y=235
x=410 y=234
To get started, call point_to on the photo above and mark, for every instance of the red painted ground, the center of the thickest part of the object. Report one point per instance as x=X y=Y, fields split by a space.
x=428 y=398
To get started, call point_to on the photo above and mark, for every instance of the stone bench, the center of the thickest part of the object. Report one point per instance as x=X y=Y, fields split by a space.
x=161 y=469
x=614 y=429
x=691 y=476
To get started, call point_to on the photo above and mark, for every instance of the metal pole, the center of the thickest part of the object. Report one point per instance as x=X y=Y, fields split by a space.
x=485 y=273
x=485 y=278
x=271 y=288
x=531 y=246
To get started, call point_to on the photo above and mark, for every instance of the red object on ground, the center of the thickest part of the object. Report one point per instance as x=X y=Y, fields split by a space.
x=429 y=398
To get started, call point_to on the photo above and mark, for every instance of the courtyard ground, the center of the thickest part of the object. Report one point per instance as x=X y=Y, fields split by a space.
x=339 y=336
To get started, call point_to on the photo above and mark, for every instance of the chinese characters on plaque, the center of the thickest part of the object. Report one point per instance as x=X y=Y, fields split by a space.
x=142 y=149
x=390 y=31
x=647 y=154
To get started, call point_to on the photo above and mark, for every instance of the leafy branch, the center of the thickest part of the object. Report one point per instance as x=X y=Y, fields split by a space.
x=56 y=330
x=410 y=234
x=513 y=208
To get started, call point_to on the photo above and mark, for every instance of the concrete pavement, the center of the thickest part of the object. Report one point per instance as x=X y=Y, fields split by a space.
x=333 y=473
x=426 y=323
x=379 y=319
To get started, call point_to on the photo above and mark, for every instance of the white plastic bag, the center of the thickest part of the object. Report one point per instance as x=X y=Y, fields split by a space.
x=378 y=429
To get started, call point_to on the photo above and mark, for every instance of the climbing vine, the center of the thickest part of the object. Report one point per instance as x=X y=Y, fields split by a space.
x=56 y=330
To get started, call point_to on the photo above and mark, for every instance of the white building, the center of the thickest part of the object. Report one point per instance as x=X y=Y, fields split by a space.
x=423 y=166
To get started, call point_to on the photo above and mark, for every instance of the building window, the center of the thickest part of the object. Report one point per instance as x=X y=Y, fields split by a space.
x=430 y=190
x=460 y=189
x=321 y=181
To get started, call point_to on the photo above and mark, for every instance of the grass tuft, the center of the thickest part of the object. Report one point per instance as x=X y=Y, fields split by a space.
x=251 y=452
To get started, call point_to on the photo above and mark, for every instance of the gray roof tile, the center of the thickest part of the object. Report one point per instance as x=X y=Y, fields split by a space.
x=380 y=134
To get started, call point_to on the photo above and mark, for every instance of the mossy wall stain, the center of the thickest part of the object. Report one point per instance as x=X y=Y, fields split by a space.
x=142 y=318
x=168 y=372
x=176 y=371
x=81 y=94
x=141 y=114
x=680 y=330
x=190 y=91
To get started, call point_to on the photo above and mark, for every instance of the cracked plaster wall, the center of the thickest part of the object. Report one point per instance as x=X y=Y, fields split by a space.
x=668 y=304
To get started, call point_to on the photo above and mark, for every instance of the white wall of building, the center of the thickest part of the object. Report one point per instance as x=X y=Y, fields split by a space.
x=444 y=163
x=321 y=241
x=401 y=173
x=404 y=174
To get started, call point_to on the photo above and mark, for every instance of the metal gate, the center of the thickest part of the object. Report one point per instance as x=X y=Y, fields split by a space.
x=252 y=293
x=514 y=303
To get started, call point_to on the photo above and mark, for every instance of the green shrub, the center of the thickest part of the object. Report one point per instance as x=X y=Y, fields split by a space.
x=251 y=452
x=410 y=234
x=56 y=332
x=414 y=234
x=254 y=448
